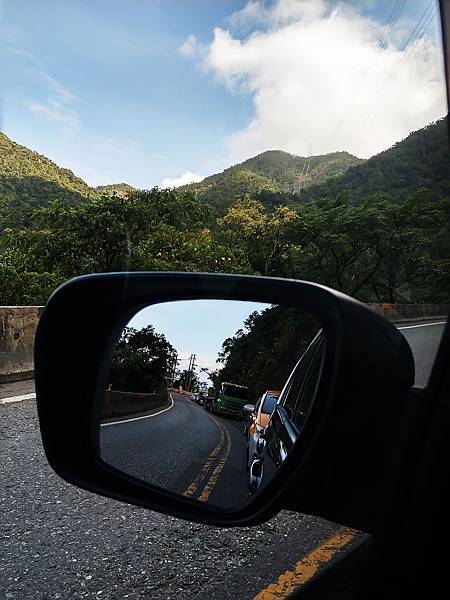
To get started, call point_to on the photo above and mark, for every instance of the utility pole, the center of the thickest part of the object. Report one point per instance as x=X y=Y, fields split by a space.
x=192 y=368
x=190 y=371
x=173 y=368
x=188 y=375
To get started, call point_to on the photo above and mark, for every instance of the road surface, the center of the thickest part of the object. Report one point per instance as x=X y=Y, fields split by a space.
x=59 y=542
x=184 y=449
x=423 y=339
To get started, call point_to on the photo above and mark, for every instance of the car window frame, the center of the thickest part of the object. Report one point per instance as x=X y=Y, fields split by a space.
x=308 y=354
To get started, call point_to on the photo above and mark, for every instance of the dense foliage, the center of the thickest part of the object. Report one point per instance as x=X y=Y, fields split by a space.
x=120 y=189
x=419 y=161
x=142 y=361
x=378 y=250
x=386 y=244
x=262 y=354
x=273 y=173
x=29 y=180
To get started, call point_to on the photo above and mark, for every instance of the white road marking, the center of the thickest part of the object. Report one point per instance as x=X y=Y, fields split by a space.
x=137 y=418
x=423 y=325
x=17 y=398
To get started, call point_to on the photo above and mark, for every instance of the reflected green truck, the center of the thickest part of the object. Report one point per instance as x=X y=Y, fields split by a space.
x=231 y=400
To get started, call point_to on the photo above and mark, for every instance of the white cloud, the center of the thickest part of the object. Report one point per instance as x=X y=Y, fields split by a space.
x=184 y=179
x=190 y=47
x=55 y=111
x=57 y=108
x=321 y=80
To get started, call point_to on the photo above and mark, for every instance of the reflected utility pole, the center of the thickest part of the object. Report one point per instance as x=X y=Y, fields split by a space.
x=173 y=368
x=190 y=372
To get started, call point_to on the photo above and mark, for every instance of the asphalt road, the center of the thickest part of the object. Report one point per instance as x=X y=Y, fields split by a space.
x=423 y=339
x=183 y=449
x=60 y=542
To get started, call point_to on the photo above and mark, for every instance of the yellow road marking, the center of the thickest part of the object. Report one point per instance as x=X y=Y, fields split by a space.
x=204 y=471
x=204 y=497
x=307 y=567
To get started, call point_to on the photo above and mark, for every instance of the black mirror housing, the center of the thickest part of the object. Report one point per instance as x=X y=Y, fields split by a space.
x=340 y=465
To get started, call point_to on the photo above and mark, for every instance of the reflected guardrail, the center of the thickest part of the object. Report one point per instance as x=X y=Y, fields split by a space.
x=179 y=390
x=121 y=404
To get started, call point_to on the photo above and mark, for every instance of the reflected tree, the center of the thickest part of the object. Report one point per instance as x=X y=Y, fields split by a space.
x=142 y=361
x=262 y=354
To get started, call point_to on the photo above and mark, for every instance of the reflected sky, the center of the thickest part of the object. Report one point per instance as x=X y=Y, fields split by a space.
x=197 y=326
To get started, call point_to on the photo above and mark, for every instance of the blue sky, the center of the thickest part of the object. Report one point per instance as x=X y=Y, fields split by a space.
x=131 y=86
x=145 y=91
x=197 y=327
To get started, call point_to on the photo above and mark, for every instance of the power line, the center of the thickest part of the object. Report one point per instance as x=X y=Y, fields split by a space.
x=392 y=21
x=417 y=33
x=384 y=39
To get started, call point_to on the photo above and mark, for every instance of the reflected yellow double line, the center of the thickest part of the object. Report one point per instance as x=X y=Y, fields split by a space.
x=213 y=467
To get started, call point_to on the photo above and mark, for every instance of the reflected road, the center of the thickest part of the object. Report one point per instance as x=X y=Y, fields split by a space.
x=184 y=449
x=187 y=450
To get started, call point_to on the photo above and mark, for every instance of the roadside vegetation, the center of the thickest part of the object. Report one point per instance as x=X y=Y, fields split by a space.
x=379 y=231
x=142 y=361
x=262 y=354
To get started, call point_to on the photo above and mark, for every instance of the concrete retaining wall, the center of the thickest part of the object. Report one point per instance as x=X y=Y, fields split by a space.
x=18 y=327
x=122 y=404
x=17 y=330
x=411 y=312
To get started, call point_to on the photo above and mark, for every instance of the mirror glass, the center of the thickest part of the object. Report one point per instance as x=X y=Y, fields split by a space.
x=206 y=398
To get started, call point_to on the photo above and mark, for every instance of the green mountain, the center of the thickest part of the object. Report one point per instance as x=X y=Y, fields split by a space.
x=421 y=160
x=120 y=189
x=29 y=180
x=272 y=172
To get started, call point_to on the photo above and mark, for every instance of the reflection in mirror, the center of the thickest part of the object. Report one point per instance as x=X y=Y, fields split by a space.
x=206 y=398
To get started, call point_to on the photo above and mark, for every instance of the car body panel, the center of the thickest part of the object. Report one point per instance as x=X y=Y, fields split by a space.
x=273 y=444
x=258 y=422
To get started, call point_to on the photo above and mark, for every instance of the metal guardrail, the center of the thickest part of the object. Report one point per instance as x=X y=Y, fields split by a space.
x=411 y=312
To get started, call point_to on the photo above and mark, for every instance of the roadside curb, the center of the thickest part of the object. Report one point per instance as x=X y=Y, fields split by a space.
x=138 y=415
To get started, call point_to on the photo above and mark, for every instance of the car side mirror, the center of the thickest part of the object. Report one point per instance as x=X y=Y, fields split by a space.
x=147 y=337
x=249 y=409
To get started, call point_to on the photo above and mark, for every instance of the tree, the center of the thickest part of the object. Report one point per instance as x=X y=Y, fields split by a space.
x=142 y=361
x=145 y=230
x=188 y=380
x=100 y=235
x=262 y=354
x=264 y=238
x=410 y=263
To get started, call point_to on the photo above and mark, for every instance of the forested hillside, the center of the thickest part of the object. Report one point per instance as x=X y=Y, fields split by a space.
x=121 y=189
x=29 y=180
x=272 y=172
x=262 y=354
x=419 y=161
x=380 y=232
